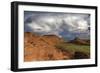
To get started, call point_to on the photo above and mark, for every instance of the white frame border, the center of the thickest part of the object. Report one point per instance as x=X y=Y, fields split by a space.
x=22 y=64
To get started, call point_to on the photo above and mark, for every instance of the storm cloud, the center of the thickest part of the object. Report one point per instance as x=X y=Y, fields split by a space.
x=67 y=25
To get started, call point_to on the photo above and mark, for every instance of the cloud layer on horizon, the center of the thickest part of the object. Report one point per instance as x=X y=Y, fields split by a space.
x=68 y=25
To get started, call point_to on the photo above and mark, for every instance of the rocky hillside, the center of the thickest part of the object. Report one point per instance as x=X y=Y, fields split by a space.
x=39 y=48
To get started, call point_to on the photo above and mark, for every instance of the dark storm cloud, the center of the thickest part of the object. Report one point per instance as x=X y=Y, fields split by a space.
x=61 y=24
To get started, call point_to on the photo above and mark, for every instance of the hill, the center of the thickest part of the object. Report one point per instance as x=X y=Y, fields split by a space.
x=39 y=48
x=80 y=41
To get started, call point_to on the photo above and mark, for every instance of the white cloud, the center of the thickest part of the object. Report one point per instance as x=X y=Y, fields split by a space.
x=45 y=25
x=76 y=24
x=52 y=23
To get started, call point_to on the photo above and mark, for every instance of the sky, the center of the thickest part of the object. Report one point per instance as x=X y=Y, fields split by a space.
x=64 y=25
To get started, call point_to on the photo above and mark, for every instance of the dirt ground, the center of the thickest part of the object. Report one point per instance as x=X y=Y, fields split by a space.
x=41 y=48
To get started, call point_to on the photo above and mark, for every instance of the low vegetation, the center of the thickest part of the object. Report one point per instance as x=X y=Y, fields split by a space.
x=75 y=49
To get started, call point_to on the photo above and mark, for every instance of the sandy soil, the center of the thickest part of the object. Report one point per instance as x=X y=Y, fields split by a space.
x=40 y=48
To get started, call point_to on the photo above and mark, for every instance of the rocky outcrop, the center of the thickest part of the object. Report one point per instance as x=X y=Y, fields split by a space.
x=39 y=48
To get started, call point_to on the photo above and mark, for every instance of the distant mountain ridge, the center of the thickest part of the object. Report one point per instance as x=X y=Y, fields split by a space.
x=80 y=41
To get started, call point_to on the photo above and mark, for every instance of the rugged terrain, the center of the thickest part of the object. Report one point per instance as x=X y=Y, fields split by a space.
x=51 y=47
x=38 y=48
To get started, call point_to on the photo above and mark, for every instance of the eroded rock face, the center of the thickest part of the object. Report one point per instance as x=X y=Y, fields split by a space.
x=39 y=48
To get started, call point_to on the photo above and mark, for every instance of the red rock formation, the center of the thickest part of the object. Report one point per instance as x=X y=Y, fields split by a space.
x=39 y=48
